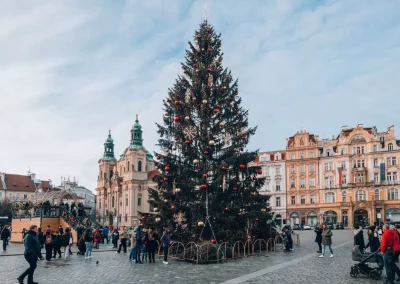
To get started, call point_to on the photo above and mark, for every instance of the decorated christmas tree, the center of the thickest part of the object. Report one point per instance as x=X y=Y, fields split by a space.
x=207 y=191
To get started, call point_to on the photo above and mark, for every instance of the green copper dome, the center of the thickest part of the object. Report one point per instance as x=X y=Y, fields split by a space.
x=136 y=135
x=109 y=148
x=149 y=156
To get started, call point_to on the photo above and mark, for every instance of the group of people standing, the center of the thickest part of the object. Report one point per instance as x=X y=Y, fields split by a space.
x=324 y=239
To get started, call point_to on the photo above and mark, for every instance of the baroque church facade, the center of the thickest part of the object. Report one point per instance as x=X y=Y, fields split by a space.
x=122 y=184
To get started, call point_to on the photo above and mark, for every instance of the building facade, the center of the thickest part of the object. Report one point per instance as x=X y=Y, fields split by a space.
x=21 y=188
x=302 y=178
x=359 y=177
x=122 y=185
x=81 y=191
x=274 y=172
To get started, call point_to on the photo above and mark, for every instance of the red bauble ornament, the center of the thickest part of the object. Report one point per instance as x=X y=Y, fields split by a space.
x=167 y=168
x=195 y=65
x=257 y=219
x=141 y=225
x=215 y=110
x=244 y=137
x=224 y=168
x=187 y=142
x=213 y=241
x=204 y=186
x=241 y=166
x=254 y=177
x=259 y=171
x=173 y=207
x=176 y=138
x=209 y=49
x=227 y=208
x=236 y=93
x=165 y=179
x=234 y=189
x=185 y=72
x=176 y=118
x=177 y=102
x=168 y=100
x=143 y=217
x=209 y=69
x=218 y=106
x=205 y=152
x=158 y=157
x=219 y=45
x=205 y=175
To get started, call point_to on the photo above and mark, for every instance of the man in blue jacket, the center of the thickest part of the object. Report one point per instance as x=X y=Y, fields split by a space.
x=105 y=234
x=32 y=250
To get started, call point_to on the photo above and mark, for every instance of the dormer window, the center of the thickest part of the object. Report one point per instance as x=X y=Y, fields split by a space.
x=390 y=147
x=14 y=184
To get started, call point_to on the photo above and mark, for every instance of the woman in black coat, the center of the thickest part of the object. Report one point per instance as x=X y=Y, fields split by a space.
x=373 y=240
x=359 y=238
x=318 y=238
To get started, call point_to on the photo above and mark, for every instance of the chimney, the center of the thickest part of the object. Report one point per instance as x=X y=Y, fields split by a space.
x=33 y=176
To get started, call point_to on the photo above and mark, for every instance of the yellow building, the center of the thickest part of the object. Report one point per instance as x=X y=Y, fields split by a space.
x=358 y=174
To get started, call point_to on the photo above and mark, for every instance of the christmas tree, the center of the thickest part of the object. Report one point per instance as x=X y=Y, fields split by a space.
x=207 y=191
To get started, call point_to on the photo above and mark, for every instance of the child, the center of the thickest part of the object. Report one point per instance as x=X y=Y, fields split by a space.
x=132 y=255
x=144 y=254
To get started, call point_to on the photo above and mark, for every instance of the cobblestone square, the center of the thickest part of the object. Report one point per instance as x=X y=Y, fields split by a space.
x=300 y=266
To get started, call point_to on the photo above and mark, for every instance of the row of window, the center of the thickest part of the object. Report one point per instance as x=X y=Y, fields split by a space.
x=360 y=195
x=355 y=151
x=139 y=202
x=302 y=168
x=16 y=195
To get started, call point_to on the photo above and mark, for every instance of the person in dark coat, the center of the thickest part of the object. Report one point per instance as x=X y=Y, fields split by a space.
x=115 y=237
x=32 y=249
x=139 y=243
x=373 y=239
x=326 y=239
x=79 y=232
x=151 y=244
x=48 y=245
x=318 y=237
x=41 y=239
x=57 y=244
x=5 y=235
x=359 y=238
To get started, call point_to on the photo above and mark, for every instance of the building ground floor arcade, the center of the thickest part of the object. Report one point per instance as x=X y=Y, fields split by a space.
x=361 y=213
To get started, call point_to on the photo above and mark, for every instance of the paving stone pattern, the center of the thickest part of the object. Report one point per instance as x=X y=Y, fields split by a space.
x=116 y=267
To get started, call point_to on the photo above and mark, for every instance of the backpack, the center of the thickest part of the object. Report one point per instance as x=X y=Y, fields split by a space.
x=48 y=240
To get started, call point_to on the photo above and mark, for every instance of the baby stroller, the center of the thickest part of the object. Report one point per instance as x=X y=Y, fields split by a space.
x=363 y=260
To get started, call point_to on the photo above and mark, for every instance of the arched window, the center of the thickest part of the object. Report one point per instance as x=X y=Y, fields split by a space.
x=105 y=176
x=139 y=166
x=390 y=147
x=393 y=194
x=101 y=174
x=361 y=195
x=329 y=197
x=128 y=166
x=377 y=195
x=375 y=163
x=112 y=202
x=344 y=196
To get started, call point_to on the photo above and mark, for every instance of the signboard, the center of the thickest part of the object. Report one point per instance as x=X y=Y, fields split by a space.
x=379 y=216
x=3 y=217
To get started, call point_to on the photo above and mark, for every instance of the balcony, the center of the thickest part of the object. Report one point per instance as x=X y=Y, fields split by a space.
x=359 y=169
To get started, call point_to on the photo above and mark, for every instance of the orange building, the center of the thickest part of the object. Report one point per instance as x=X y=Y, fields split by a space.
x=302 y=178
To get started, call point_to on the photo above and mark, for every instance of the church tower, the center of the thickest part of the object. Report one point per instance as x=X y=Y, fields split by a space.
x=136 y=135
x=108 y=162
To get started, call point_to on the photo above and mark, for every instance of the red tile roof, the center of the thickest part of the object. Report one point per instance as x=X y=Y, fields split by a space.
x=45 y=184
x=19 y=183
x=153 y=173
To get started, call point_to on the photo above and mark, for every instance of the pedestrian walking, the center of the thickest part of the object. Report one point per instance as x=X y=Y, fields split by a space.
x=138 y=244
x=66 y=241
x=326 y=240
x=387 y=249
x=5 y=236
x=105 y=234
x=41 y=239
x=123 y=235
x=87 y=237
x=48 y=245
x=115 y=237
x=396 y=252
x=318 y=238
x=97 y=239
x=32 y=249
x=359 y=238
x=132 y=254
x=57 y=244
x=151 y=244
x=166 y=241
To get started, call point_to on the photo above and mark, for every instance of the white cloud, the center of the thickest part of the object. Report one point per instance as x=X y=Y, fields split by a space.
x=71 y=71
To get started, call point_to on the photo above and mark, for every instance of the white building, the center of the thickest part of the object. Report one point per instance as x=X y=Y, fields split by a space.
x=79 y=190
x=274 y=171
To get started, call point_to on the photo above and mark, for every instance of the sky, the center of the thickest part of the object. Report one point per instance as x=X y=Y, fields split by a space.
x=70 y=71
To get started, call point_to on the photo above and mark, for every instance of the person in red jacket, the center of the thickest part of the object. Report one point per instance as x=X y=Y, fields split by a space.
x=387 y=249
x=396 y=251
x=97 y=239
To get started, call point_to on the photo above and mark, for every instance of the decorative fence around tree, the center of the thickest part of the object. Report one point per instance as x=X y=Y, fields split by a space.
x=202 y=253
